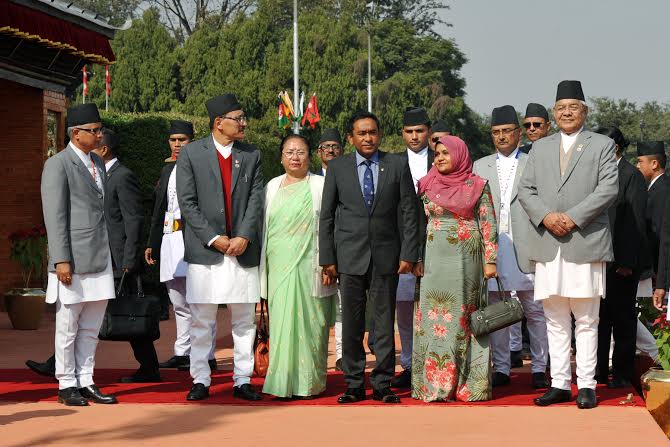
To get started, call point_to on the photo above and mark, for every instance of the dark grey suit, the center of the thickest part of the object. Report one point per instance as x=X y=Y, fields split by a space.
x=200 y=194
x=125 y=216
x=73 y=212
x=367 y=247
x=159 y=209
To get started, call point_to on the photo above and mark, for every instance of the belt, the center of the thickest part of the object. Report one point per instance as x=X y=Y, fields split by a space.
x=177 y=225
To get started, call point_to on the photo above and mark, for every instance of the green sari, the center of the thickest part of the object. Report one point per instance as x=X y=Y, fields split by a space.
x=299 y=322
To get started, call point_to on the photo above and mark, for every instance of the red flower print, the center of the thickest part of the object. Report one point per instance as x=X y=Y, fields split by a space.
x=440 y=331
x=418 y=316
x=433 y=314
x=436 y=224
x=490 y=250
x=439 y=377
x=463 y=232
x=463 y=393
x=446 y=316
x=482 y=211
x=486 y=230
x=439 y=211
x=426 y=210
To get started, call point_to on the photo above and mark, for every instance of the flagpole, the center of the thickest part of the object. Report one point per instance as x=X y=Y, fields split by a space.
x=296 y=71
x=369 y=73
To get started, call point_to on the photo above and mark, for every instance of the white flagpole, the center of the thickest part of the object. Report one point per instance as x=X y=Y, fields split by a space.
x=296 y=70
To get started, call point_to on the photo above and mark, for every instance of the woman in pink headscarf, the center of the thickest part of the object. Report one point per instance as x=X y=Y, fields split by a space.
x=449 y=363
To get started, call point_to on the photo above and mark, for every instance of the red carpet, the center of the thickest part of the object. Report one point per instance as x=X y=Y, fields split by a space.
x=21 y=385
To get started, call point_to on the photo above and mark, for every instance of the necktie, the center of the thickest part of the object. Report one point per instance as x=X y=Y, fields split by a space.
x=368 y=186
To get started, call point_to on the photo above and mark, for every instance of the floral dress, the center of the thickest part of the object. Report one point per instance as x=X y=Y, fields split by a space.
x=448 y=362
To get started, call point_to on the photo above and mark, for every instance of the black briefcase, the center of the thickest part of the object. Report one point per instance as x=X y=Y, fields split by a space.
x=131 y=315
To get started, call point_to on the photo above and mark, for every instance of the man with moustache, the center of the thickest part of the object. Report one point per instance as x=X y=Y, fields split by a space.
x=568 y=203
x=503 y=170
x=166 y=246
x=537 y=124
x=220 y=196
x=415 y=133
x=367 y=190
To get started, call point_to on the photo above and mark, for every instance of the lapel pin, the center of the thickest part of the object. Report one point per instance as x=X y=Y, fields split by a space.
x=579 y=148
x=237 y=163
x=382 y=169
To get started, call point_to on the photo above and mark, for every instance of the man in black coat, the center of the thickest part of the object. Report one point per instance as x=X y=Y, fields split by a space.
x=618 y=315
x=124 y=217
x=363 y=192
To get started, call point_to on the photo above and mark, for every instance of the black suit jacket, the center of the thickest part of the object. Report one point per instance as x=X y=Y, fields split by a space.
x=526 y=148
x=421 y=216
x=360 y=238
x=124 y=216
x=627 y=220
x=158 y=214
x=656 y=200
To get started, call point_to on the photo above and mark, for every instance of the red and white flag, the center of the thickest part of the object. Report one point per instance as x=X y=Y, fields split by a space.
x=108 y=82
x=312 y=113
x=85 y=78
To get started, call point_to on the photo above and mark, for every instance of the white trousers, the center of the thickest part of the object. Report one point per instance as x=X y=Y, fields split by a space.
x=557 y=310
x=77 y=328
x=176 y=289
x=537 y=330
x=243 y=322
x=338 y=327
x=405 y=318
x=516 y=335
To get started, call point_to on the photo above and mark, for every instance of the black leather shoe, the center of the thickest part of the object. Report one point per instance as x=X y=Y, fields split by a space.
x=71 y=397
x=540 y=381
x=43 y=369
x=351 y=396
x=175 y=362
x=338 y=365
x=617 y=382
x=402 y=380
x=553 y=396
x=586 y=398
x=142 y=377
x=500 y=379
x=198 y=392
x=93 y=393
x=246 y=392
x=515 y=359
x=385 y=395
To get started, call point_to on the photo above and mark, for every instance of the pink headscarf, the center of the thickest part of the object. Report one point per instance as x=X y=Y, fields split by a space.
x=459 y=190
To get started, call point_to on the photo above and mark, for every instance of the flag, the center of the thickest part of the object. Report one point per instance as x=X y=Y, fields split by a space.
x=301 y=107
x=108 y=82
x=85 y=78
x=283 y=120
x=312 y=113
x=288 y=105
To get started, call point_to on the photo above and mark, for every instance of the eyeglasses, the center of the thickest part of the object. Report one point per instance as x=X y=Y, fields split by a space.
x=532 y=124
x=330 y=147
x=571 y=107
x=240 y=119
x=96 y=131
x=291 y=154
x=505 y=132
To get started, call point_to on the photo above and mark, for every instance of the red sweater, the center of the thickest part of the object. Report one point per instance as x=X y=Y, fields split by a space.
x=226 y=167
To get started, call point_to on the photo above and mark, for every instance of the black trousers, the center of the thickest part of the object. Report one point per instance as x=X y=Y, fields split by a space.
x=618 y=317
x=355 y=291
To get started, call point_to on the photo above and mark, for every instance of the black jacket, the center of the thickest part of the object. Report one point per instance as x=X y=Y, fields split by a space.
x=124 y=216
x=656 y=201
x=627 y=220
x=359 y=238
x=158 y=214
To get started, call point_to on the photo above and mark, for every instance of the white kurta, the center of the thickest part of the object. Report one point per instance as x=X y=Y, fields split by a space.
x=85 y=287
x=226 y=282
x=418 y=166
x=172 y=263
x=568 y=279
x=507 y=266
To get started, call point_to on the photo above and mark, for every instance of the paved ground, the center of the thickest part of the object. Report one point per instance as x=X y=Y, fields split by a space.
x=47 y=424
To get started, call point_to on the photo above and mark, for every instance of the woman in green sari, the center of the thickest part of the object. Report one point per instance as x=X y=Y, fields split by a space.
x=300 y=307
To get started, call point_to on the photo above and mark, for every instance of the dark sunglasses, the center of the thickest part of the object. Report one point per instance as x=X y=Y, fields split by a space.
x=531 y=124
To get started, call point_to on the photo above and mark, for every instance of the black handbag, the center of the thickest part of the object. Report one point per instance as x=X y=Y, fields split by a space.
x=131 y=315
x=491 y=317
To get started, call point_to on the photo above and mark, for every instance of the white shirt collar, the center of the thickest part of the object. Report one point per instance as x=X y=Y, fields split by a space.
x=651 y=183
x=509 y=157
x=110 y=163
x=81 y=154
x=569 y=139
x=423 y=153
x=226 y=150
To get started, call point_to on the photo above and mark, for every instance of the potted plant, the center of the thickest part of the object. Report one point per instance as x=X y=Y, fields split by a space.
x=25 y=305
x=656 y=381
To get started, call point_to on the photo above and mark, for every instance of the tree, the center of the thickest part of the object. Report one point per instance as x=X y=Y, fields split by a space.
x=627 y=115
x=420 y=14
x=145 y=77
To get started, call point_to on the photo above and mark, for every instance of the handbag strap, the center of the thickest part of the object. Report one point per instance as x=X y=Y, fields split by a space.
x=504 y=295
x=119 y=289
x=138 y=280
x=264 y=312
